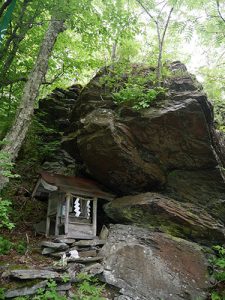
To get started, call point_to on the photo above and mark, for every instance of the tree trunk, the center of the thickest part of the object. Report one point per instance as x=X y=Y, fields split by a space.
x=161 y=44
x=113 y=54
x=17 y=133
x=4 y=6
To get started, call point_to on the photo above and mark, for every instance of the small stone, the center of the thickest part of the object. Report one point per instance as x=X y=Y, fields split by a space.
x=47 y=251
x=57 y=246
x=57 y=254
x=104 y=233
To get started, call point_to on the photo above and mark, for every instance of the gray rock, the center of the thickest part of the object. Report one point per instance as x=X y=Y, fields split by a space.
x=64 y=241
x=34 y=274
x=93 y=269
x=87 y=253
x=122 y=297
x=57 y=254
x=56 y=246
x=26 y=291
x=104 y=233
x=147 y=265
x=64 y=287
x=47 y=251
x=89 y=243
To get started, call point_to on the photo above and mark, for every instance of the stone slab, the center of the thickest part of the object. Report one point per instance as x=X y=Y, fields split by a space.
x=56 y=246
x=34 y=274
x=89 y=243
x=26 y=291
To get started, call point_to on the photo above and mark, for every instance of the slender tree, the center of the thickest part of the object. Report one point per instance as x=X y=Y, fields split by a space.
x=17 y=133
x=161 y=34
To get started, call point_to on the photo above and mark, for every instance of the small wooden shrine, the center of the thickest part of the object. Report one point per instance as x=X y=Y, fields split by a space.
x=72 y=205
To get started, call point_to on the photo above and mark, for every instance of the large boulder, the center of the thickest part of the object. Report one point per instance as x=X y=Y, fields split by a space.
x=136 y=151
x=147 y=265
x=154 y=210
x=203 y=187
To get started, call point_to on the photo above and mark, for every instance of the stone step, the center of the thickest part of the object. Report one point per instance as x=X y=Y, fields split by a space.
x=32 y=274
x=89 y=243
x=25 y=291
x=88 y=253
x=56 y=246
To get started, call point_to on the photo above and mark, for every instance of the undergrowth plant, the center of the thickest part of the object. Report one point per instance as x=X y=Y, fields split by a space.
x=89 y=288
x=218 y=263
x=49 y=293
x=132 y=86
x=5 y=207
x=6 y=168
x=6 y=246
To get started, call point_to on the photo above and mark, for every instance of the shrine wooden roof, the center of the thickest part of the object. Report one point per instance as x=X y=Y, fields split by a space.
x=72 y=184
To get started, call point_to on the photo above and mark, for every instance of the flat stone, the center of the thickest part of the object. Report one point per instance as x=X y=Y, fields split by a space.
x=89 y=243
x=47 y=251
x=34 y=274
x=64 y=241
x=86 y=259
x=57 y=254
x=56 y=246
x=93 y=269
x=26 y=291
x=88 y=253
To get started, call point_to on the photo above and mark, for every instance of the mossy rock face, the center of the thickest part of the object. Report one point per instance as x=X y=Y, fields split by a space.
x=152 y=210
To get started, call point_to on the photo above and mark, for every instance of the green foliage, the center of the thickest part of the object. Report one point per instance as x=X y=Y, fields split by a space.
x=5 y=246
x=136 y=96
x=50 y=293
x=5 y=206
x=6 y=166
x=89 y=288
x=2 y=294
x=21 y=247
x=216 y=296
x=132 y=85
x=65 y=278
x=218 y=263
